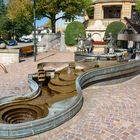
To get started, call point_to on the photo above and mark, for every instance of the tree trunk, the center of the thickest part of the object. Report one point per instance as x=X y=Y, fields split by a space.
x=53 y=20
x=53 y=27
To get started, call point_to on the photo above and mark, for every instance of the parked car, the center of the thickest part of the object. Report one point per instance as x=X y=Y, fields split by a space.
x=25 y=40
x=2 y=44
x=12 y=42
x=2 y=41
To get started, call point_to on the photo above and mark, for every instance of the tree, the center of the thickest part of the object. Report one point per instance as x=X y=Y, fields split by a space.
x=73 y=30
x=6 y=28
x=136 y=14
x=3 y=19
x=70 y=9
x=2 y=7
x=138 y=5
x=18 y=9
x=90 y=12
x=20 y=14
x=48 y=24
x=114 y=28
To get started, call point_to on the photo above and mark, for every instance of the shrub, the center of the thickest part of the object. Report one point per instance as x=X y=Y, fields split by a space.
x=73 y=30
x=114 y=28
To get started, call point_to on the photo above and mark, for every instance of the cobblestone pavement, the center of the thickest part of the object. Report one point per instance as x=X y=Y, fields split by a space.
x=15 y=81
x=108 y=113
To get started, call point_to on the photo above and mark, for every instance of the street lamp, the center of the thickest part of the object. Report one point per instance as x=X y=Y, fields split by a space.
x=34 y=18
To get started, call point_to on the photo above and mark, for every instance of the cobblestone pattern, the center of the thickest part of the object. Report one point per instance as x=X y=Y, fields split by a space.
x=15 y=81
x=108 y=113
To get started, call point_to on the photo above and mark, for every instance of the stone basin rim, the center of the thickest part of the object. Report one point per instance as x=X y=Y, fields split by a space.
x=40 y=125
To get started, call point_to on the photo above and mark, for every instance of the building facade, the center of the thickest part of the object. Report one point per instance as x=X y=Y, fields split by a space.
x=62 y=23
x=107 y=11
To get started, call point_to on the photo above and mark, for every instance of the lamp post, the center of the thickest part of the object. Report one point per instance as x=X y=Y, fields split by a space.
x=34 y=18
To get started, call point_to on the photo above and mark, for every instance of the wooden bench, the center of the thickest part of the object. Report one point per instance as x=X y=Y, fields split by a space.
x=28 y=50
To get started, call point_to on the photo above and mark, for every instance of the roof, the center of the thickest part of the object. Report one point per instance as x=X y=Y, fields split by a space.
x=109 y=1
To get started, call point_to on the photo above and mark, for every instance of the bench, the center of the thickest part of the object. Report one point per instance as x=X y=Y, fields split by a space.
x=28 y=50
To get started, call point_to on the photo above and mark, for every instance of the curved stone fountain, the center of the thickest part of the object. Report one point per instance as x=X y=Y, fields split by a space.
x=37 y=111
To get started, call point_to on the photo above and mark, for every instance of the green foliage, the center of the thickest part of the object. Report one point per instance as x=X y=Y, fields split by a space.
x=17 y=9
x=90 y=12
x=4 y=22
x=2 y=7
x=114 y=28
x=138 y=5
x=20 y=15
x=70 y=9
x=72 y=31
x=24 y=27
x=48 y=24
x=9 y=28
x=21 y=11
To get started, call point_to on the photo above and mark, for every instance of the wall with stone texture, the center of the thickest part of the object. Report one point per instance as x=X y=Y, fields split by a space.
x=8 y=56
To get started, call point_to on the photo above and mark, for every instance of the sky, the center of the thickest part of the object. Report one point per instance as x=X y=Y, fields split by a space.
x=41 y=22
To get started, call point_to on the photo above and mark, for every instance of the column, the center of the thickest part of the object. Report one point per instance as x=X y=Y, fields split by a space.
x=126 y=10
x=98 y=11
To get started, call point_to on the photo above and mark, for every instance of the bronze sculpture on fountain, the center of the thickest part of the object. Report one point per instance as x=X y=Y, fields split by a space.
x=132 y=36
x=111 y=44
x=85 y=45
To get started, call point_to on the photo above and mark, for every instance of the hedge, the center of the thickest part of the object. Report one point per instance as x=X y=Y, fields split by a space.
x=73 y=30
x=114 y=28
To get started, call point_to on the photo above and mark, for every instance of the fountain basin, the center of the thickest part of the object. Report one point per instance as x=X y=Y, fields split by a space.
x=57 y=115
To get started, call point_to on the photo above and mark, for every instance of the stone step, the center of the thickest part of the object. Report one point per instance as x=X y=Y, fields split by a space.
x=59 y=82
x=67 y=77
x=62 y=89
